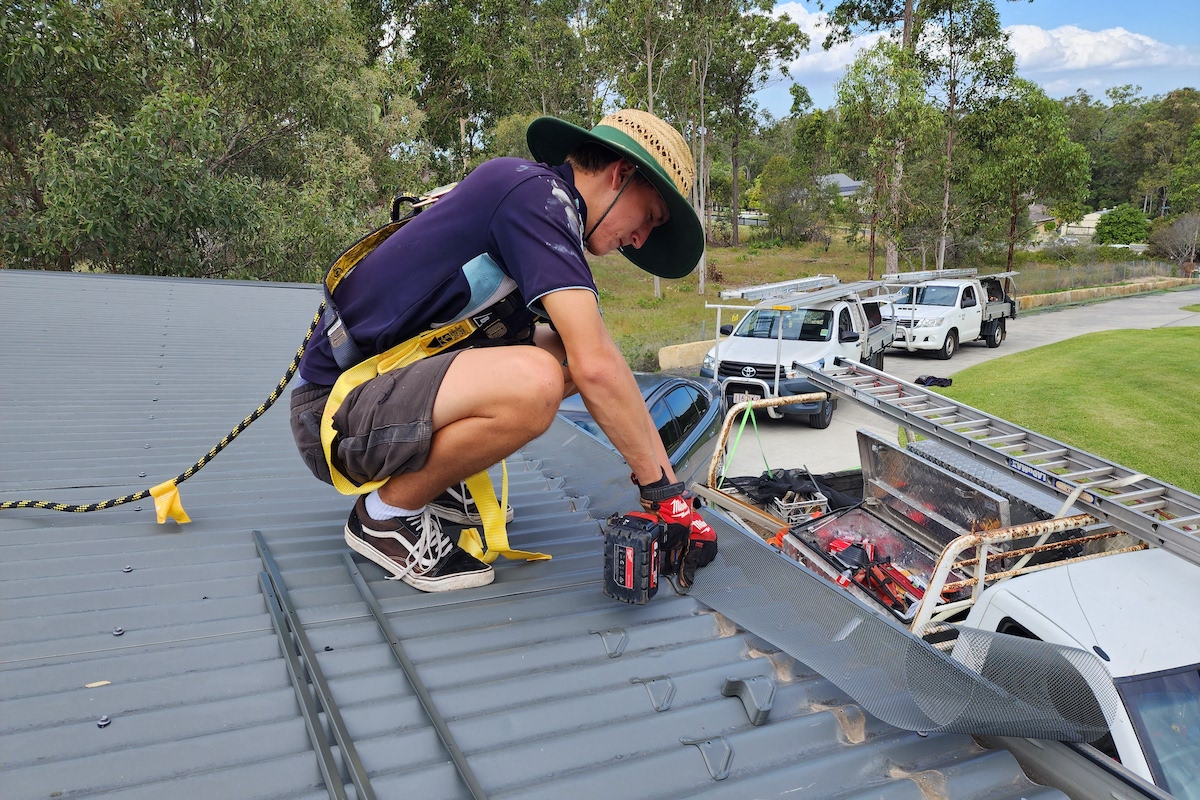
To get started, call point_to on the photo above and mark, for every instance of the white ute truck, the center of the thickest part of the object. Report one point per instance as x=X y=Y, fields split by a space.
x=809 y=321
x=937 y=310
x=982 y=524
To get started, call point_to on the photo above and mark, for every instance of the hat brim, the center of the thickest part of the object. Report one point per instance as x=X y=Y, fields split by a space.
x=673 y=249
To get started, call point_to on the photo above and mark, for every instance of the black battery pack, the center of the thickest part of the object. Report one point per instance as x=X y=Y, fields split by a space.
x=631 y=556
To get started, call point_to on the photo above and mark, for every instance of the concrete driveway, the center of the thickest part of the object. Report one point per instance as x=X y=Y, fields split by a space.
x=789 y=443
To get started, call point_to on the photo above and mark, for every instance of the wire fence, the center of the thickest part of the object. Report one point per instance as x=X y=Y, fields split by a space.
x=1040 y=279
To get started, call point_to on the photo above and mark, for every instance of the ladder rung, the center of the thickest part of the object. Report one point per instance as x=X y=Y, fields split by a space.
x=939 y=410
x=1087 y=473
x=1010 y=437
x=1129 y=497
x=1193 y=519
x=1062 y=451
x=972 y=423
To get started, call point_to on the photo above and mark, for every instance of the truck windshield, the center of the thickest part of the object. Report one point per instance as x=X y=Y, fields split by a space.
x=1165 y=708
x=803 y=325
x=929 y=295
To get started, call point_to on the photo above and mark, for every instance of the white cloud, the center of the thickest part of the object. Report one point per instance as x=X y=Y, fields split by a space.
x=1071 y=48
x=817 y=60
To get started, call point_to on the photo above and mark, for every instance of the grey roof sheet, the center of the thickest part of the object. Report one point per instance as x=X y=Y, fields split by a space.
x=109 y=377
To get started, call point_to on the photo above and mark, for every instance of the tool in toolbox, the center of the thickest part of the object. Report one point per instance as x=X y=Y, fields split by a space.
x=1158 y=513
x=632 y=551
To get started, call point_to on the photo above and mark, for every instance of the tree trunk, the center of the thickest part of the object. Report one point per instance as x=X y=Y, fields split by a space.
x=871 y=251
x=734 y=160
x=1014 y=212
x=941 y=251
x=893 y=249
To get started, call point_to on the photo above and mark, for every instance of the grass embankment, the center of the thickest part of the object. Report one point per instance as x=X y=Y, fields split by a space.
x=1128 y=396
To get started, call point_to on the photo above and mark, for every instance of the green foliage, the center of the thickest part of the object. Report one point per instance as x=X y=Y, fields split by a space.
x=247 y=138
x=1123 y=225
x=1026 y=156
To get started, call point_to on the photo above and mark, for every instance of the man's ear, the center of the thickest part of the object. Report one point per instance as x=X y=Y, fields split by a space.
x=619 y=171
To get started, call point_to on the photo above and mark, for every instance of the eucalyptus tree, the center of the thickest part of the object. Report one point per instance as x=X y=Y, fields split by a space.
x=1026 y=156
x=965 y=55
x=882 y=110
x=1105 y=129
x=750 y=48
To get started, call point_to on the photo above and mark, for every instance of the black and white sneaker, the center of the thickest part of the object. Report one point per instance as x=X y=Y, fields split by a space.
x=456 y=505
x=415 y=550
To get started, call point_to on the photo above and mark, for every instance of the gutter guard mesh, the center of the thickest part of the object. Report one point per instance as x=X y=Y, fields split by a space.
x=990 y=684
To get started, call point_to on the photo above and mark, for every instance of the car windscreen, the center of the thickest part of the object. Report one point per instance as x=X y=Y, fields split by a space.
x=929 y=295
x=801 y=325
x=1165 y=708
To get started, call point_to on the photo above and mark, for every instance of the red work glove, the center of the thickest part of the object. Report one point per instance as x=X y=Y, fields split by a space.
x=690 y=542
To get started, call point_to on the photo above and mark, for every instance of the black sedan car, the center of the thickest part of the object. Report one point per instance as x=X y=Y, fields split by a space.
x=687 y=411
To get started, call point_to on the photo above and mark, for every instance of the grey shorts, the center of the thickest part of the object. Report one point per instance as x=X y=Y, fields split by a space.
x=383 y=428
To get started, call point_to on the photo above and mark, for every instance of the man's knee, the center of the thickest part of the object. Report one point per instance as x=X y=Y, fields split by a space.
x=539 y=385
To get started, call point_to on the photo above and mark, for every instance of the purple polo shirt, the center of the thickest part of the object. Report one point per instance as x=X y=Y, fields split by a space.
x=524 y=217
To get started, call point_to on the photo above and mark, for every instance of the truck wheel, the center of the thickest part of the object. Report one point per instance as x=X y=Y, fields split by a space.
x=948 y=346
x=995 y=334
x=823 y=417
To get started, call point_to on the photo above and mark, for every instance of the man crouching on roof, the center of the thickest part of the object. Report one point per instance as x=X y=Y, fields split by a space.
x=505 y=248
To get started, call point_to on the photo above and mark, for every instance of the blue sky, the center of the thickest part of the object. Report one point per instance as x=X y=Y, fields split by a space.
x=1063 y=45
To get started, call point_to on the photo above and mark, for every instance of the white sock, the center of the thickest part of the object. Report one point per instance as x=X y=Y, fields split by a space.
x=377 y=509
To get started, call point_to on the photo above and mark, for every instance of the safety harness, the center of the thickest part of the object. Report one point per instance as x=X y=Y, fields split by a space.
x=494 y=299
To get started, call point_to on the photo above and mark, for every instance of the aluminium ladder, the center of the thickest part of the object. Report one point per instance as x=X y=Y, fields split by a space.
x=1156 y=512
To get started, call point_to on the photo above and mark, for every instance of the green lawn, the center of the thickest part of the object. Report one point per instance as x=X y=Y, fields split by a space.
x=1129 y=396
x=1194 y=309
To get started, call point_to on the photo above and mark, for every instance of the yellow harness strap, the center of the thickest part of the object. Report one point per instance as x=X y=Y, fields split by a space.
x=480 y=485
x=494 y=528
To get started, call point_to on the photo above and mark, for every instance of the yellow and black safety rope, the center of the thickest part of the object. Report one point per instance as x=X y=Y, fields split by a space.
x=194 y=468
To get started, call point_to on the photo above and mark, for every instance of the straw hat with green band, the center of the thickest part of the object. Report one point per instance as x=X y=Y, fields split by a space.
x=661 y=155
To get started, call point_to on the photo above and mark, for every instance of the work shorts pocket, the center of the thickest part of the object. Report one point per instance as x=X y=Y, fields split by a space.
x=385 y=425
x=308 y=402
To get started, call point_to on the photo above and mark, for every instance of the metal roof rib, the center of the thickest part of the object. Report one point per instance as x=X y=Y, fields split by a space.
x=536 y=675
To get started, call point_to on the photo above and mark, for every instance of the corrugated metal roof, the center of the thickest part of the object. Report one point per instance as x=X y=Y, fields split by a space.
x=107 y=378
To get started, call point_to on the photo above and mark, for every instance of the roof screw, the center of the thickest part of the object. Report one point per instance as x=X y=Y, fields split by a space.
x=103 y=722
x=141 y=474
x=155 y=400
x=127 y=569
x=145 y=447
x=137 y=508
x=328 y=648
x=156 y=383
x=151 y=416
x=118 y=631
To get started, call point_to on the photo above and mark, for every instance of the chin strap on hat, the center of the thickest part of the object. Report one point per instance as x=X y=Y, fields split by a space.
x=588 y=235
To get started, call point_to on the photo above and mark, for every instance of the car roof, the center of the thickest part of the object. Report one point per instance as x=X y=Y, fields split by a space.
x=1139 y=607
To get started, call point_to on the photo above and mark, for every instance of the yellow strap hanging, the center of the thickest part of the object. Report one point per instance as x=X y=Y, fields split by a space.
x=403 y=354
x=494 y=527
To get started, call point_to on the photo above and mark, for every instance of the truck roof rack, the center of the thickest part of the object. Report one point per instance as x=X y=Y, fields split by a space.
x=929 y=275
x=768 y=290
x=790 y=301
x=1158 y=513
x=940 y=274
